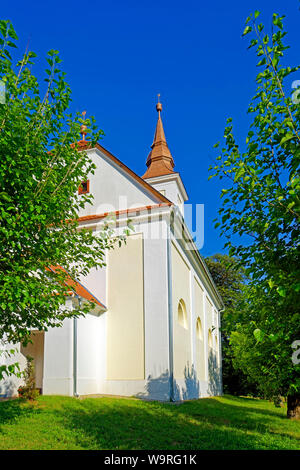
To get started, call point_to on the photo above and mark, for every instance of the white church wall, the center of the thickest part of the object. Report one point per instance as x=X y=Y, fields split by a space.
x=89 y=354
x=181 y=314
x=58 y=360
x=157 y=371
x=154 y=383
x=113 y=189
x=125 y=315
x=95 y=282
x=202 y=375
x=199 y=359
x=102 y=359
x=213 y=357
x=212 y=385
x=168 y=185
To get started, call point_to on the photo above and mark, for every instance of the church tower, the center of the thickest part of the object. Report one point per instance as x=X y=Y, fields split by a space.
x=160 y=172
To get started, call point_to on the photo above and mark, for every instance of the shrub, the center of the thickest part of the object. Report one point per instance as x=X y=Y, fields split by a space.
x=29 y=390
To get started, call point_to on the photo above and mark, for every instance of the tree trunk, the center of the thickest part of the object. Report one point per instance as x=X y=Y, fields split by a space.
x=293 y=406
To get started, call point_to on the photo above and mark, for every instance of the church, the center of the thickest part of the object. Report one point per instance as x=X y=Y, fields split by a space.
x=154 y=332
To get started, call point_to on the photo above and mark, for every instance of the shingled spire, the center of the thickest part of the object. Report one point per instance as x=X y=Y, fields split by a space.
x=160 y=161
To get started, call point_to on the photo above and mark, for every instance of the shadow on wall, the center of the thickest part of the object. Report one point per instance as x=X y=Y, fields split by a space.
x=191 y=387
x=214 y=375
x=158 y=388
x=7 y=388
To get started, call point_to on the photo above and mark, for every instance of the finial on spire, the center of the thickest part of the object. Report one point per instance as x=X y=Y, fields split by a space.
x=83 y=128
x=158 y=104
x=160 y=161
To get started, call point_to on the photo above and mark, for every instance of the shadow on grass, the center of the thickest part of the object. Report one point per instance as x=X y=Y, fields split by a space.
x=111 y=423
x=14 y=409
x=240 y=416
x=202 y=424
x=257 y=408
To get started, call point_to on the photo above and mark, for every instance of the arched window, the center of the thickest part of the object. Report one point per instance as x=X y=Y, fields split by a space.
x=199 y=331
x=210 y=340
x=182 y=315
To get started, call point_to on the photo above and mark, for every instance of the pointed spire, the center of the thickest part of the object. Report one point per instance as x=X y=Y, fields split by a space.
x=160 y=161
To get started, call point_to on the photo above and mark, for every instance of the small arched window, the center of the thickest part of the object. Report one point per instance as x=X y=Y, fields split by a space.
x=199 y=331
x=182 y=315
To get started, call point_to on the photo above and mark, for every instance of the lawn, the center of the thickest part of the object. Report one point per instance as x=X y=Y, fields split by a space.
x=115 y=423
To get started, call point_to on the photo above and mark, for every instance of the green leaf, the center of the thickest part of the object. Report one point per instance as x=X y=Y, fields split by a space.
x=287 y=137
x=247 y=30
x=240 y=172
x=281 y=291
x=258 y=335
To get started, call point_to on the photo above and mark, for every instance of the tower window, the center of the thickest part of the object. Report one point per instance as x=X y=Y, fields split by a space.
x=84 y=188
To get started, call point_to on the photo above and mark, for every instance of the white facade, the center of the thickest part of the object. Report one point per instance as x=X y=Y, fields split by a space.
x=172 y=187
x=153 y=340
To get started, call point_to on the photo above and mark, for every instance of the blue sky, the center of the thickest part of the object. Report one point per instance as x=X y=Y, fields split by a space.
x=119 y=54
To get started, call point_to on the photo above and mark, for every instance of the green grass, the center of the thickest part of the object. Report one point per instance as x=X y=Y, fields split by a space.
x=115 y=423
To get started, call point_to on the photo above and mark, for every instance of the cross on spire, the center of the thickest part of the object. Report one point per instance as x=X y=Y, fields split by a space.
x=158 y=104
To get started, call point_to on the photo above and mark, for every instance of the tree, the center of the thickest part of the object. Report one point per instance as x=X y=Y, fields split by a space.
x=261 y=204
x=41 y=168
x=261 y=345
x=230 y=280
